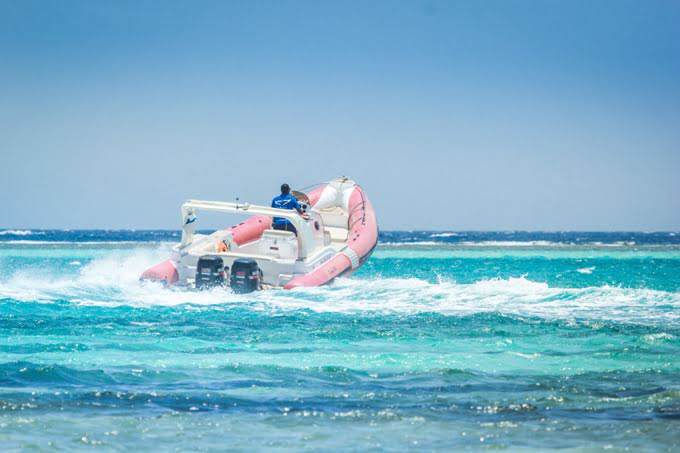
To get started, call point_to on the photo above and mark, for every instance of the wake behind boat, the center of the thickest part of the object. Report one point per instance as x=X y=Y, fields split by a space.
x=335 y=235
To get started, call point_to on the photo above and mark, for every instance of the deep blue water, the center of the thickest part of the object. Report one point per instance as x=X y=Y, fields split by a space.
x=442 y=341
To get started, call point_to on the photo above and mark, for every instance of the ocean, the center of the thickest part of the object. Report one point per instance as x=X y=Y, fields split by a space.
x=443 y=340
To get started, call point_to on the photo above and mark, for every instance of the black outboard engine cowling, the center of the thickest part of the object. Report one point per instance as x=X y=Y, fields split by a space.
x=209 y=272
x=246 y=276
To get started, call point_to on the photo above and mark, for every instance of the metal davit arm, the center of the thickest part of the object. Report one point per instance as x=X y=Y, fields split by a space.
x=305 y=236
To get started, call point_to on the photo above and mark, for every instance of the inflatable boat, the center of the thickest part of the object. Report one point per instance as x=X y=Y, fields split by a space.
x=336 y=234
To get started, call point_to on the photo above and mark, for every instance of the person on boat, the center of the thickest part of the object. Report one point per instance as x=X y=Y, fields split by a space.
x=285 y=201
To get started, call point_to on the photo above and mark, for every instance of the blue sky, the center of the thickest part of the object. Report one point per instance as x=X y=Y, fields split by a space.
x=539 y=115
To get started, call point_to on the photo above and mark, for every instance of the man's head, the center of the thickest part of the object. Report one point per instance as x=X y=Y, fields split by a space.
x=285 y=189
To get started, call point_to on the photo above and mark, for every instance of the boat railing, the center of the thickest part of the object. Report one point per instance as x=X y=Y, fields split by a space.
x=361 y=206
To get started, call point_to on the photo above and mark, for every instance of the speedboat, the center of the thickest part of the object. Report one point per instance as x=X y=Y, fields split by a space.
x=336 y=234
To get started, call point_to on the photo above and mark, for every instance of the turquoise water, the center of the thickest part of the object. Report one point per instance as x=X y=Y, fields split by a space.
x=439 y=342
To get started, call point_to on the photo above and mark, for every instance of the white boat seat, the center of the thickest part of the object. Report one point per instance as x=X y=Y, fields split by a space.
x=337 y=234
x=335 y=217
x=278 y=244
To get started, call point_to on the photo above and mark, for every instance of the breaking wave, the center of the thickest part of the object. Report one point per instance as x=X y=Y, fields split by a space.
x=503 y=244
x=444 y=235
x=20 y=232
x=113 y=281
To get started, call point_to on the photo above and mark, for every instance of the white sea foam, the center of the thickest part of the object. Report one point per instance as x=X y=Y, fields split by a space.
x=510 y=244
x=544 y=244
x=406 y=244
x=20 y=232
x=658 y=337
x=513 y=296
x=444 y=235
x=114 y=281
x=513 y=244
x=479 y=243
x=586 y=270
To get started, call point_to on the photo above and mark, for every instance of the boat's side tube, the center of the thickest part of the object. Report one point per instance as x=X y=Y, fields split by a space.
x=251 y=229
x=363 y=225
x=162 y=272
x=324 y=274
x=362 y=239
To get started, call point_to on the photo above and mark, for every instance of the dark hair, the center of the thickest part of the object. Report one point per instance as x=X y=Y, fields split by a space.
x=285 y=189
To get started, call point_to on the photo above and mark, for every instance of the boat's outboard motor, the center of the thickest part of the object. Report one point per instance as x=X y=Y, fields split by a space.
x=246 y=276
x=210 y=272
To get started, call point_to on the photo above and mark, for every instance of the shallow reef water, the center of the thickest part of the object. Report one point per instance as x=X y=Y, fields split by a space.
x=442 y=341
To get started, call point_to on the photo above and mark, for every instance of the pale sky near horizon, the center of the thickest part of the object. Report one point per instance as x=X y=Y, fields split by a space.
x=485 y=115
